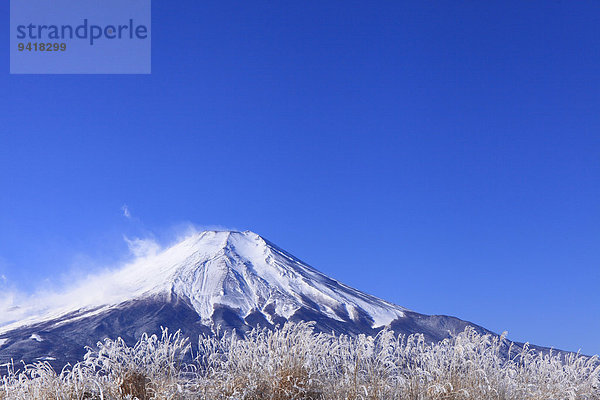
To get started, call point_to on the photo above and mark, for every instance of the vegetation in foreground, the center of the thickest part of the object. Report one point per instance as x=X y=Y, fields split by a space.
x=294 y=362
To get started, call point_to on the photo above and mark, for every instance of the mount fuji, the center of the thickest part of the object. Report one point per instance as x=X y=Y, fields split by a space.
x=235 y=280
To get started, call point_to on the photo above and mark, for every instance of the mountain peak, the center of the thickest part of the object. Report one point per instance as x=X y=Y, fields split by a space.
x=237 y=280
x=217 y=240
x=240 y=271
x=245 y=272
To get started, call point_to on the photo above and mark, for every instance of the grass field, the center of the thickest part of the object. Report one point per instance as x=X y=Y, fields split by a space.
x=294 y=362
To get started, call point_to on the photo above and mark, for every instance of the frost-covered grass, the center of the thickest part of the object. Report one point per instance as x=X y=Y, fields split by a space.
x=296 y=363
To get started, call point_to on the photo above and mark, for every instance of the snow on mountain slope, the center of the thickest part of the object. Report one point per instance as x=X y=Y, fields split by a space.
x=236 y=280
x=238 y=270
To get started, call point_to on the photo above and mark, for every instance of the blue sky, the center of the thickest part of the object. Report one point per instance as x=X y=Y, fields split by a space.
x=444 y=156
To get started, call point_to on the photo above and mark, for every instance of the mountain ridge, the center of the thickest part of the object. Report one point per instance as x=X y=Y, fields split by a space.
x=236 y=280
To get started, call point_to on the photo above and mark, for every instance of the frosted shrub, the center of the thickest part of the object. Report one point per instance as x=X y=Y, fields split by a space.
x=294 y=362
x=151 y=368
x=286 y=363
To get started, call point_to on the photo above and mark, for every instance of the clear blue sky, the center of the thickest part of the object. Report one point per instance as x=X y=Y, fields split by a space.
x=441 y=155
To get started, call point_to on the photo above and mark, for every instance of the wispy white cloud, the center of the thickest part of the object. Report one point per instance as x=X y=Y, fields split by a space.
x=142 y=247
x=109 y=285
x=96 y=285
x=126 y=212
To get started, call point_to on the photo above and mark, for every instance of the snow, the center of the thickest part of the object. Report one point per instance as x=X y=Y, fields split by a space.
x=36 y=337
x=253 y=273
x=3 y=342
x=237 y=269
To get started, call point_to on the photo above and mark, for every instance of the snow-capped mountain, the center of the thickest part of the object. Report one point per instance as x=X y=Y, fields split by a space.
x=232 y=279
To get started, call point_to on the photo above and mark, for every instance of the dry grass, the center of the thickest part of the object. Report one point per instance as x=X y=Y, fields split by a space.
x=294 y=363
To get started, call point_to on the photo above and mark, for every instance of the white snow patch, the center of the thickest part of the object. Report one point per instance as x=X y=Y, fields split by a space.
x=36 y=337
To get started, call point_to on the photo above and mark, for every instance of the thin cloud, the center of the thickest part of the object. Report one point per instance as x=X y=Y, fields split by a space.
x=126 y=212
x=142 y=247
x=109 y=285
